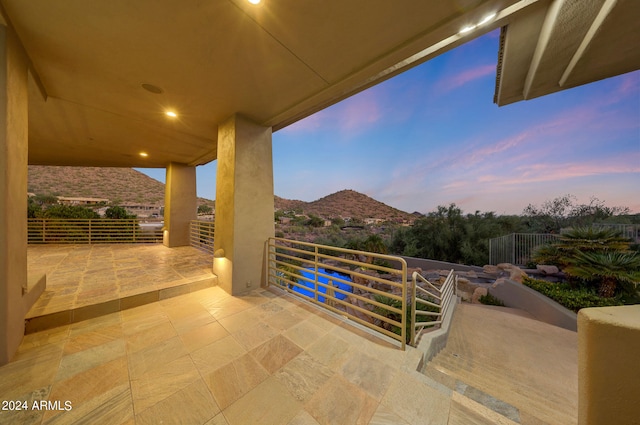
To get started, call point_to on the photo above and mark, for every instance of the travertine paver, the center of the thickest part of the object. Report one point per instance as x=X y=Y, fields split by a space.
x=85 y=275
x=175 y=361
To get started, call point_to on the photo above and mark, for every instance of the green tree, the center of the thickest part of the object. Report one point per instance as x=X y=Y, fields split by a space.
x=34 y=210
x=204 y=209
x=564 y=211
x=314 y=221
x=69 y=211
x=118 y=212
x=45 y=199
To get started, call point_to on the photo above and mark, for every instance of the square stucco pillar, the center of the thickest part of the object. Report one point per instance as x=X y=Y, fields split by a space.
x=244 y=204
x=13 y=192
x=180 y=204
x=608 y=372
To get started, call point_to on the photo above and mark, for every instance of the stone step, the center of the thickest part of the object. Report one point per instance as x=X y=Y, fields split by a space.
x=487 y=377
x=549 y=408
x=465 y=411
x=36 y=321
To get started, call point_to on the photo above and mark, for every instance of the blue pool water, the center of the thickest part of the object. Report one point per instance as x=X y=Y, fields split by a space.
x=323 y=277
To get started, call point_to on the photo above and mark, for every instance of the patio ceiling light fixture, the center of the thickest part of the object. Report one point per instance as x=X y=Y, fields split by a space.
x=171 y=114
x=254 y=1
x=486 y=19
x=144 y=154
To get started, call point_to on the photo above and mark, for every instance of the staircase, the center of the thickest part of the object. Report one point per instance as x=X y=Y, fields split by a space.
x=507 y=368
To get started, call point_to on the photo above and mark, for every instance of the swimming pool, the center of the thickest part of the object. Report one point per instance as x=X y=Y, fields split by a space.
x=323 y=277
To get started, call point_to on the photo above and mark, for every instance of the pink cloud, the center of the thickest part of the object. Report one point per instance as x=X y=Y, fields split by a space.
x=360 y=112
x=458 y=80
x=534 y=173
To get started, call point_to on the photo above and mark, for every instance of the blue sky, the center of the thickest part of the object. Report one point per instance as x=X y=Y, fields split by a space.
x=432 y=136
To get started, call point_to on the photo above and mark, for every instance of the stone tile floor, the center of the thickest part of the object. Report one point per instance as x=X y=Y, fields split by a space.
x=83 y=275
x=209 y=358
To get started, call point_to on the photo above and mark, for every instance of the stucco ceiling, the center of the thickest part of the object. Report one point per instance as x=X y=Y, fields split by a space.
x=567 y=44
x=275 y=63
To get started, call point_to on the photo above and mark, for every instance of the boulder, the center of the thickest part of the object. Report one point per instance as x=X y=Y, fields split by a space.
x=471 y=274
x=479 y=292
x=463 y=281
x=547 y=269
x=505 y=266
x=432 y=277
x=516 y=274
x=498 y=282
x=489 y=269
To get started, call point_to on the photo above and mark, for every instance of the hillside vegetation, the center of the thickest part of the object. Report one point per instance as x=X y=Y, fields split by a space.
x=127 y=186
x=119 y=185
x=345 y=203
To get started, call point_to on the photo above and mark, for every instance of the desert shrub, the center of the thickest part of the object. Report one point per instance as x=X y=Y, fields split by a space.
x=572 y=298
x=490 y=300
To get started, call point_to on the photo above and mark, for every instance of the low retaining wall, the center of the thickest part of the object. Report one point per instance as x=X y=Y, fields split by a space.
x=544 y=309
x=431 y=343
x=425 y=264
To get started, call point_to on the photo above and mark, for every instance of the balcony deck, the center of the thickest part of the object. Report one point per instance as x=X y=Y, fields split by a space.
x=86 y=281
x=209 y=358
x=206 y=357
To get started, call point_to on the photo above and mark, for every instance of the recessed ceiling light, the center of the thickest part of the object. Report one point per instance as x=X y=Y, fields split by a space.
x=153 y=89
x=171 y=114
x=144 y=154
x=254 y=1
x=487 y=19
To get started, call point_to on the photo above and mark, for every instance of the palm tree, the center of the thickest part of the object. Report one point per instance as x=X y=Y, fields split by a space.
x=580 y=239
x=608 y=267
x=373 y=243
x=592 y=239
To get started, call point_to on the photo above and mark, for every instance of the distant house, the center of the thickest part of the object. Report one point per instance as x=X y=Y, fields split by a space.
x=143 y=210
x=64 y=200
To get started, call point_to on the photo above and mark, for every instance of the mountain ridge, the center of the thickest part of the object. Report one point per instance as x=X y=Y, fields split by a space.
x=131 y=187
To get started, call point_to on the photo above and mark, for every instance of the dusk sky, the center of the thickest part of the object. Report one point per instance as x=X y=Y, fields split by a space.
x=433 y=136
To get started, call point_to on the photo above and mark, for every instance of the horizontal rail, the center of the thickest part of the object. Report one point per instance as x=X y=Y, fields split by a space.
x=435 y=298
x=337 y=280
x=201 y=235
x=91 y=231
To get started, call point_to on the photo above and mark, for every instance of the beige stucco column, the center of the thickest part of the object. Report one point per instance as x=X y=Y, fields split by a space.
x=180 y=204
x=244 y=204
x=608 y=370
x=13 y=192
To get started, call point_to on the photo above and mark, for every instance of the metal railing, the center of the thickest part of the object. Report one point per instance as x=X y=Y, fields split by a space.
x=629 y=231
x=368 y=288
x=430 y=302
x=201 y=235
x=517 y=248
x=91 y=231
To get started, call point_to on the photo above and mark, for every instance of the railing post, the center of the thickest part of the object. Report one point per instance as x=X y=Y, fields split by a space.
x=315 y=264
x=90 y=230
x=414 y=283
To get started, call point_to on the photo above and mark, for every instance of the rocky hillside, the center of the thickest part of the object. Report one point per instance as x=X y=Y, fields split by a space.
x=346 y=203
x=128 y=186
x=120 y=185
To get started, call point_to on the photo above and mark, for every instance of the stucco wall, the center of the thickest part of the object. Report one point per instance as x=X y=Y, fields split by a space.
x=609 y=372
x=517 y=295
x=13 y=191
